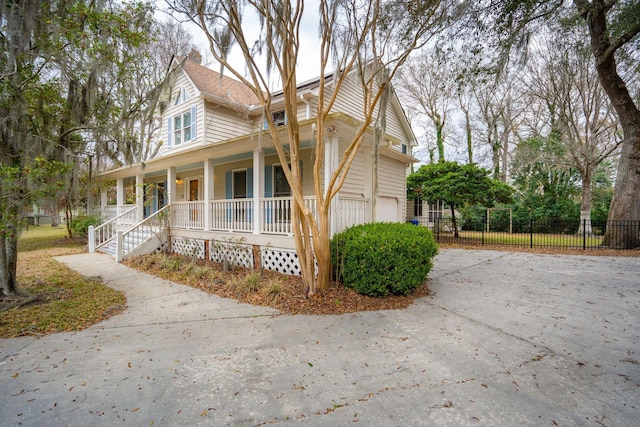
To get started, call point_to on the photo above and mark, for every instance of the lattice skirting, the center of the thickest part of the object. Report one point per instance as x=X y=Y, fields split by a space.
x=234 y=253
x=281 y=260
x=188 y=247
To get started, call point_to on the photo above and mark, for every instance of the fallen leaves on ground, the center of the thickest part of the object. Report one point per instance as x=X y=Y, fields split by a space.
x=57 y=298
x=280 y=291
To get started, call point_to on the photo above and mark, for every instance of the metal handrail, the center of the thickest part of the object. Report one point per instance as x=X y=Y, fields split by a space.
x=105 y=232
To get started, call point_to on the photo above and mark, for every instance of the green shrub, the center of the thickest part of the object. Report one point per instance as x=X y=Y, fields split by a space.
x=80 y=225
x=382 y=258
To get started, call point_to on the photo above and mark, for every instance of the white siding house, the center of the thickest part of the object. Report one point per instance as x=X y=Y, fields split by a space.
x=219 y=180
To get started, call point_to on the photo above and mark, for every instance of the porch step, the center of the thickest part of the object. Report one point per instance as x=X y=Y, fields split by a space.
x=131 y=241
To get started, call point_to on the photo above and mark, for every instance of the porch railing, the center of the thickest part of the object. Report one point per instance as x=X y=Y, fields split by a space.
x=352 y=211
x=276 y=213
x=237 y=215
x=135 y=236
x=105 y=232
x=232 y=215
x=188 y=215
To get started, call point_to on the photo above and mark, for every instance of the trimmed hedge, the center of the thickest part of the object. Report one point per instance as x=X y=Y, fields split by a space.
x=382 y=258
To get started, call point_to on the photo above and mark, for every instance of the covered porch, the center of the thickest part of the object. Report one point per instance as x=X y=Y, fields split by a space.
x=233 y=188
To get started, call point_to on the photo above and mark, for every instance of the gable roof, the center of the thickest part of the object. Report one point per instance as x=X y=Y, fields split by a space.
x=217 y=87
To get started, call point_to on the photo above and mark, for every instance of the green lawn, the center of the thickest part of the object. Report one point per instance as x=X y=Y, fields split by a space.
x=522 y=239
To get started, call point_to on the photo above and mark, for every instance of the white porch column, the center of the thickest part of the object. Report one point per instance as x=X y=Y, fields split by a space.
x=171 y=184
x=258 y=189
x=330 y=164
x=208 y=192
x=119 y=195
x=140 y=197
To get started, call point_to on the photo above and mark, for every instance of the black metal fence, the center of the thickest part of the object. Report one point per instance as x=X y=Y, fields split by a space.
x=540 y=233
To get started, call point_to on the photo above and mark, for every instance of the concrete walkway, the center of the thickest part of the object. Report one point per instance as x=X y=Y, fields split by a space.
x=506 y=339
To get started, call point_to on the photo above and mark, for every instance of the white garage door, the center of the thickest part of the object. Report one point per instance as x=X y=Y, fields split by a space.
x=387 y=209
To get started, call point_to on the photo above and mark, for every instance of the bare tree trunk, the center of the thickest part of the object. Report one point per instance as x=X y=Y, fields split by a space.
x=55 y=214
x=467 y=122
x=453 y=220
x=504 y=154
x=440 y=140
x=625 y=204
x=585 y=205
x=626 y=198
x=9 y=261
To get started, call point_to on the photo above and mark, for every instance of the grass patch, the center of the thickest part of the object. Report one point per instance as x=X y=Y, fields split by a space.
x=60 y=299
x=526 y=239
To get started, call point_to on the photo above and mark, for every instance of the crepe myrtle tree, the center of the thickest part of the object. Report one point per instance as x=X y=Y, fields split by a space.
x=457 y=185
x=371 y=38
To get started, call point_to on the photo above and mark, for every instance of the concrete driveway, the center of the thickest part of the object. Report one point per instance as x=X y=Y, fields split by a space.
x=506 y=339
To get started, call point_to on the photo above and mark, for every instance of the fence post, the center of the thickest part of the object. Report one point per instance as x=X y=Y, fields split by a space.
x=531 y=233
x=437 y=229
x=483 y=230
x=92 y=239
x=584 y=234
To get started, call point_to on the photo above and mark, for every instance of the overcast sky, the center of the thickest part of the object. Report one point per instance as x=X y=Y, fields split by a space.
x=309 y=55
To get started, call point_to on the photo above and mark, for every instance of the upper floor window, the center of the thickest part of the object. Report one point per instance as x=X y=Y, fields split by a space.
x=181 y=128
x=182 y=95
x=279 y=119
x=404 y=148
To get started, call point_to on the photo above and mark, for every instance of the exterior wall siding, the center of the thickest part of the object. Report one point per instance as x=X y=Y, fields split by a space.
x=182 y=82
x=357 y=178
x=223 y=123
x=389 y=184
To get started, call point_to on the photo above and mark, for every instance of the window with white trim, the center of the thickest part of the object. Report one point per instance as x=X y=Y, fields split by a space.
x=240 y=184
x=281 y=187
x=182 y=128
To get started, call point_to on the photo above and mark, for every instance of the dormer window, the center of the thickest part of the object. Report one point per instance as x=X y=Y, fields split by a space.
x=182 y=95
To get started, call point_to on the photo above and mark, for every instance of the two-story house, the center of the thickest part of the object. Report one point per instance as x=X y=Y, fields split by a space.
x=221 y=183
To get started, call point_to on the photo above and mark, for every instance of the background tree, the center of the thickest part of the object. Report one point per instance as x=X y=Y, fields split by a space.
x=139 y=97
x=547 y=185
x=57 y=60
x=614 y=29
x=368 y=39
x=565 y=79
x=457 y=185
x=428 y=86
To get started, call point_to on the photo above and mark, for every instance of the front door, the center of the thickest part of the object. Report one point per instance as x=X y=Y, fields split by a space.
x=193 y=190
x=194 y=194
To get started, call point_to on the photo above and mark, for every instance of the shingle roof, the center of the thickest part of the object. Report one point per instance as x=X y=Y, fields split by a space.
x=212 y=83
